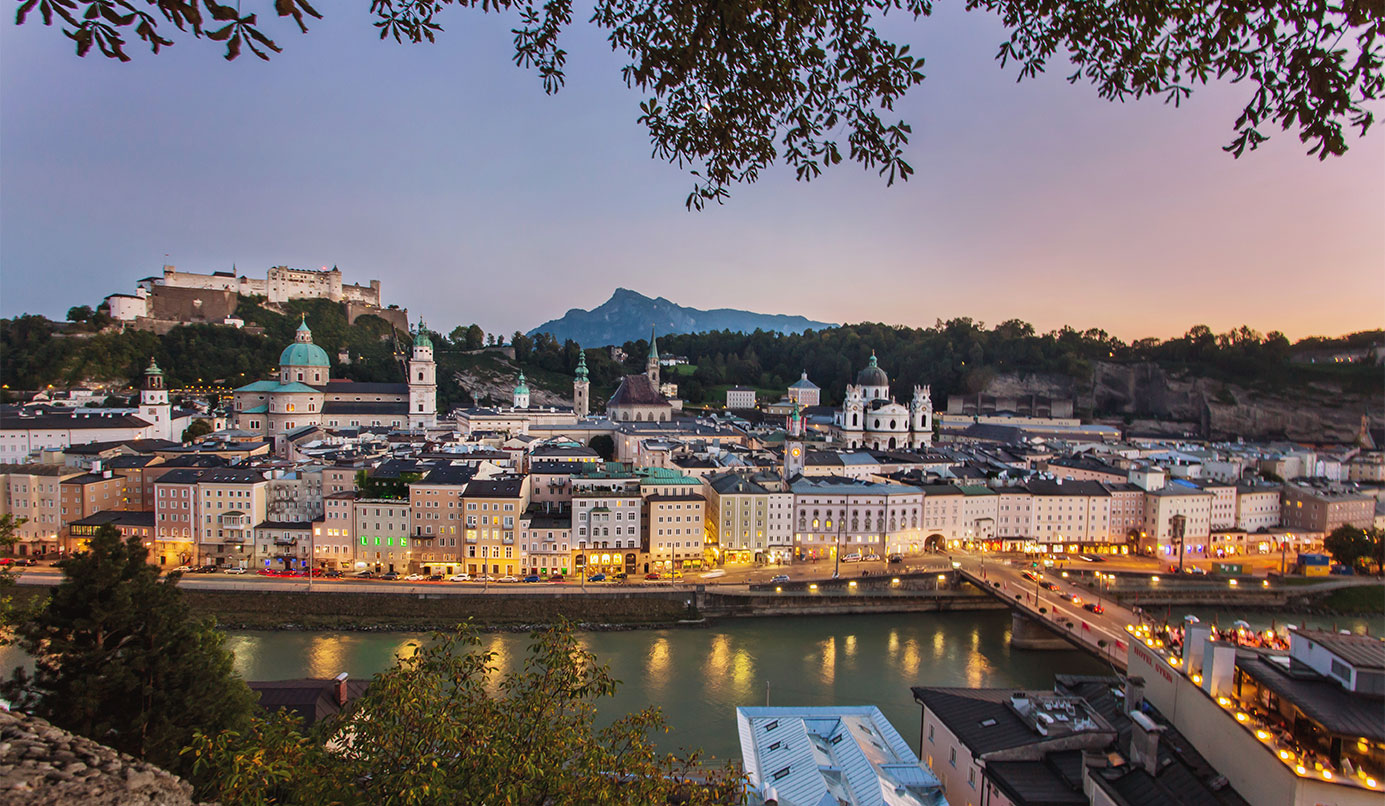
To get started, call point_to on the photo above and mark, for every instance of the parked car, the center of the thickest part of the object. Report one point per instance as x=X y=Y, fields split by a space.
x=896 y=558
x=597 y=577
x=853 y=557
x=1093 y=607
x=872 y=557
x=332 y=574
x=651 y=576
x=415 y=577
x=508 y=578
x=363 y=575
x=777 y=578
x=622 y=576
x=556 y=578
x=483 y=578
x=459 y=578
x=205 y=569
x=183 y=569
x=390 y=576
x=532 y=578
x=236 y=569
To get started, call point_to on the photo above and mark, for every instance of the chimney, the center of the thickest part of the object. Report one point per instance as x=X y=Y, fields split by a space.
x=771 y=796
x=1020 y=702
x=341 y=689
x=1219 y=668
x=1134 y=693
x=1194 y=642
x=1144 y=742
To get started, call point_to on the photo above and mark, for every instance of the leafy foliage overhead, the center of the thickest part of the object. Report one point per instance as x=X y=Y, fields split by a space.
x=733 y=86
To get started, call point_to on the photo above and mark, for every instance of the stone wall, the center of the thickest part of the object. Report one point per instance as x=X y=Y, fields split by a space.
x=41 y=765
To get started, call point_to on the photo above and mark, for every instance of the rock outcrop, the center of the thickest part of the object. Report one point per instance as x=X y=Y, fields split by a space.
x=1154 y=399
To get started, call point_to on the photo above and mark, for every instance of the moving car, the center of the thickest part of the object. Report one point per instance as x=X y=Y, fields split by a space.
x=1048 y=586
x=236 y=570
x=1031 y=576
x=415 y=577
x=651 y=576
x=1093 y=607
x=1075 y=599
x=713 y=574
x=777 y=578
x=556 y=578
x=363 y=575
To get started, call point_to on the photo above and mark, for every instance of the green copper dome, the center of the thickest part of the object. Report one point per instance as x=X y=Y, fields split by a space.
x=421 y=338
x=522 y=388
x=581 y=365
x=303 y=353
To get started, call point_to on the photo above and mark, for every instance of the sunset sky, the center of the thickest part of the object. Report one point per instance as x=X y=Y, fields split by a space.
x=446 y=173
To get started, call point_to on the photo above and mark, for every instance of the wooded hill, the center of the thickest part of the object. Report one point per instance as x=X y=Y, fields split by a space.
x=959 y=356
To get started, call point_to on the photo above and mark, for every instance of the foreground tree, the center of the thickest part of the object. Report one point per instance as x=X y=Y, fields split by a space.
x=119 y=658
x=1355 y=547
x=732 y=86
x=441 y=727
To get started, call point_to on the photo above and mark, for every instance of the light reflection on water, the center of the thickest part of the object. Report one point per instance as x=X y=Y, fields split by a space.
x=699 y=676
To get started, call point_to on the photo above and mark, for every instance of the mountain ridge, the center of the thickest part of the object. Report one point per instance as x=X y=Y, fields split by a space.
x=627 y=315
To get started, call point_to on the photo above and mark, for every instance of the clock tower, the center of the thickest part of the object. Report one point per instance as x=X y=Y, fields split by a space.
x=795 y=457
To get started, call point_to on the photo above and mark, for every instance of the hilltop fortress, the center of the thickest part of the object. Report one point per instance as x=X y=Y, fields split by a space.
x=179 y=297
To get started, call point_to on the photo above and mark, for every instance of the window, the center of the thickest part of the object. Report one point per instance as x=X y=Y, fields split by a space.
x=930 y=733
x=782 y=773
x=952 y=759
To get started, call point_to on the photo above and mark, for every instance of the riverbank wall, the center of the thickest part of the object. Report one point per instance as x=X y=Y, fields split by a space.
x=515 y=610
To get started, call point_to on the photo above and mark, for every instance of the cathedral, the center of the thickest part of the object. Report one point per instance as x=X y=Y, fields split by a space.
x=303 y=394
x=870 y=418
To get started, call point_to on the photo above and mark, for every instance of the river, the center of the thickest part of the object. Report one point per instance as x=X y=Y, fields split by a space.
x=699 y=675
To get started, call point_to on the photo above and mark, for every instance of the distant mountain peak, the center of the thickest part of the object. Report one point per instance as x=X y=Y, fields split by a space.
x=628 y=315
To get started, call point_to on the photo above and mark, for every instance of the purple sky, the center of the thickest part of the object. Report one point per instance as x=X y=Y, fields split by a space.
x=445 y=172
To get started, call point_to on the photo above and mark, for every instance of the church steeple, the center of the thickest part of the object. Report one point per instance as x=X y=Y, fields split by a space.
x=651 y=366
x=581 y=386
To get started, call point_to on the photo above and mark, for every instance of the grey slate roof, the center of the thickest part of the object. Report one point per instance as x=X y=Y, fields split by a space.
x=637 y=390
x=1361 y=651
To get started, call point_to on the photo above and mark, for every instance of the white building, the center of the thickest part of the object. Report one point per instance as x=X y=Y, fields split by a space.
x=740 y=397
x=870 y=418
x=804 y=392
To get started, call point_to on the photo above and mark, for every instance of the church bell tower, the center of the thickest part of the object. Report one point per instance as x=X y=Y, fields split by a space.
x=581 y=387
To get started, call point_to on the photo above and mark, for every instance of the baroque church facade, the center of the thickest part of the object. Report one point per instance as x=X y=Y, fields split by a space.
x=304 y=394
x=870 y=417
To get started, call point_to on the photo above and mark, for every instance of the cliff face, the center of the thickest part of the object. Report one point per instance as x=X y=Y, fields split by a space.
x=1155 y=399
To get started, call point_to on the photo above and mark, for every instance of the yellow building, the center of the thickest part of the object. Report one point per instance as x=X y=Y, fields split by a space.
x=493 y=510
